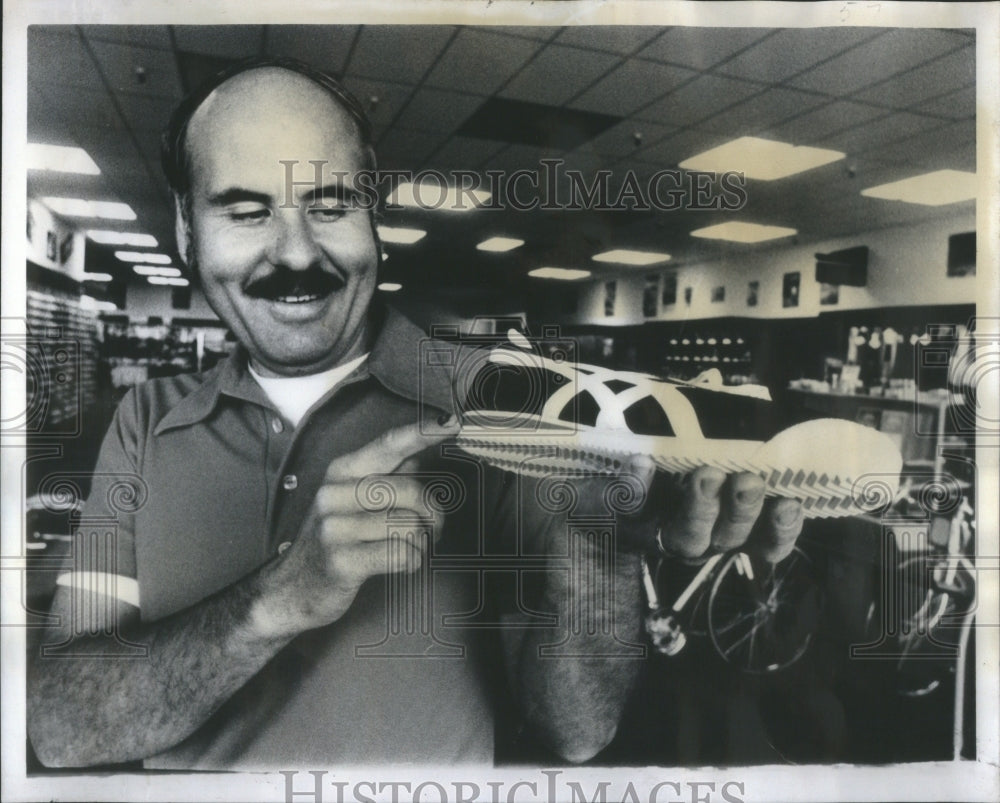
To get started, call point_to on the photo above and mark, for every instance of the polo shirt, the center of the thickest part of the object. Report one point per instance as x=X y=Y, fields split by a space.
x=226 y=482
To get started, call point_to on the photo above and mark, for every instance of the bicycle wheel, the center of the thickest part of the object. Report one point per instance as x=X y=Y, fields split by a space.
x=762 y=620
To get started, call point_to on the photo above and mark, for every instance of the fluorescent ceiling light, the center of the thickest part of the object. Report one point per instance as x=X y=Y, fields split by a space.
x=931 y=189
x=390 y=287
x=108 y=237
x=500 y=244
x=764 y=159
x=78 y=207
x=149 y=270
x=61 y=159
x=91 y=303
x=171 y=280
x=567 y=274
x=97 y=277
x=743 y=232
x=433 y=195
x=141 y=256
x=623 y=256
x=389 y=234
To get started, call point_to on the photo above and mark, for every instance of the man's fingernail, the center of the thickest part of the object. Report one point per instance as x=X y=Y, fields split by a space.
x=750 y=496
x=789 y=515
x=444 y=419
x=711 y=485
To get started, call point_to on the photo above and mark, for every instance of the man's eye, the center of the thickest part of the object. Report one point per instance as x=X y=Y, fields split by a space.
x=249 y=215
x=329 y=210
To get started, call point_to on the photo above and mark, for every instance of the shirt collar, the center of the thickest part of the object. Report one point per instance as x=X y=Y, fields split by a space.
x=403 y=359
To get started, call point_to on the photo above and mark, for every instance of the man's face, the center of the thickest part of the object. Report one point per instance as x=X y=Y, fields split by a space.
x=291 y=278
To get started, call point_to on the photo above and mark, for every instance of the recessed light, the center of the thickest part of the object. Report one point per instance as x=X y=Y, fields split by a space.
x=433 y=195
x=108 y=237
x=623 y=256
x=567 y=274
x=97 y=277
x=390 y=287
x=931 y=189
x=399 y=236
x=737 y=232
x=61 y=159
x=142 y=256
x=764 y=159
x=78 y=207
x=149 y=270
x=171 y=280
x=500 y=244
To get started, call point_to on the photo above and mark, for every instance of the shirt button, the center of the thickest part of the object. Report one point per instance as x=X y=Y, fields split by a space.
x=277 y=426
x=283 y=546
x=289 y=482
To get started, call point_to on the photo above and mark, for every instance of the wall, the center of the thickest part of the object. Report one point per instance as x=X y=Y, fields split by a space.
x=49 y=238
x=906 y=267
x=143 y=300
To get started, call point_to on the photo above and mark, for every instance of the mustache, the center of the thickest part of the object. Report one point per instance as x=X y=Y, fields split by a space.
x=284 y=282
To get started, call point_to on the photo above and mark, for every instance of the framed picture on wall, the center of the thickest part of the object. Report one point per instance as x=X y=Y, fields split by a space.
x=51 y=246
x=66 y=249
x=718 y=294
x=790 y=289
x=668 y=294
x=687 y=296
x=829 y=294
x=610 y=290
x=650 y=293
x=753 y=290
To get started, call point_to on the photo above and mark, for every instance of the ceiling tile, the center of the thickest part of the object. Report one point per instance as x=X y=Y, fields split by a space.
x=631 y=86
x=793 y=50
x=949 y=146
x=917 y=85
x=821 y=123
x=121 y=65
x=381 y=99
x=621 y=39
x=557 y=74
x=401 y=148
x=57 y=56
x=323 y=46
x=700 y=48
x=144 y=113
x=762 y=112
x=465 y=153
x=701 y=98
x=620 y=140
x=438 y=110
x=542 y=32
x=875 y=134
x=224 y=41
x=954 y=105
x=674 y=149
x=93 y=108
x=480 y=62
x=885 y=55
x=400 y=53
x=157 y=36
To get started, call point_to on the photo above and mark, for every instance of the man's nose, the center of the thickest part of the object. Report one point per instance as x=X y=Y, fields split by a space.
x=294 y=246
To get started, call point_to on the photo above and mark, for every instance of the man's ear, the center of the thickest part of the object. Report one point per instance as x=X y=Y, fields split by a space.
x=181 y=229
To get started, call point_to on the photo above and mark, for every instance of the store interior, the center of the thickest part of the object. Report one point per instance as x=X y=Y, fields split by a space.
x=859 y=302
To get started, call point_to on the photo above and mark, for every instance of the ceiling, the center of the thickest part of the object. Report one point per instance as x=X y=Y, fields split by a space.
x=898 y=101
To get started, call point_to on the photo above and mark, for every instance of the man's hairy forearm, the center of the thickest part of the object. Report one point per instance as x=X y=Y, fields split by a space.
x=108 y=709
x=575 y=702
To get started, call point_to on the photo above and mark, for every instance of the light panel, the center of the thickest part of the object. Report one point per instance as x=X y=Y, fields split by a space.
x=763 y=159
x=142 y=256
x=738 y=232
x=433 y=195
x=499 y=244
x=108 y=237
x=623 y=256
x=400 y=236
x=97 y=277
x=79 y=207
x=390 y=287
x=61 y=159
x=168 y=280
x=565 y=274
x=150 y=270
x=931 y=189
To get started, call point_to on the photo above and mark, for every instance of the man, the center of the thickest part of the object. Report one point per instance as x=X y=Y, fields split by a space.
x=253 y=581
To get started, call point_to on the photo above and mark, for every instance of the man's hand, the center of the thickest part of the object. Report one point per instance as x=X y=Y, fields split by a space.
x=341 y=543
x=708 y=511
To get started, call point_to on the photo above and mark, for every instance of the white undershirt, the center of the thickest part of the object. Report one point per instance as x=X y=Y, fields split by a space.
x=294 y=395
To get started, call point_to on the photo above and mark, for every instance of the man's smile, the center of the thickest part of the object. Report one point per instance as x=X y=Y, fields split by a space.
x=295 y=287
